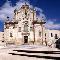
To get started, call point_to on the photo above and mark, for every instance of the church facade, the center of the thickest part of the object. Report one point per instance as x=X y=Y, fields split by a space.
x=27 y=28
x=24 y=28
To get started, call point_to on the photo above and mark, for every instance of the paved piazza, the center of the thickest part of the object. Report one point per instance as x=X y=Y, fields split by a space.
x=29 y=52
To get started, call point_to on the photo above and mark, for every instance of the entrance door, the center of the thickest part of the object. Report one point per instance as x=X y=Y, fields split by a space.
x=25 y=39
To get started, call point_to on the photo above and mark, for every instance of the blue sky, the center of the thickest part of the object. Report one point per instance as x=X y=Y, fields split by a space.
x=48 y=8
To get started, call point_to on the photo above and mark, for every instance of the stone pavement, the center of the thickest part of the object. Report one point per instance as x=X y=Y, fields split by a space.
x=26 y=52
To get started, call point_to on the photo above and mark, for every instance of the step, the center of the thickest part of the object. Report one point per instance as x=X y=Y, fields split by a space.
x=37 y=55
x=45 y=52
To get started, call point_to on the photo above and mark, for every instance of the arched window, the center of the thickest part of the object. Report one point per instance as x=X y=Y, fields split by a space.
x=19 y=30
x=25 y=28
x=39 y=33
x=51 y=35
x=11 y=35
x=45 y=34
x=56 y=37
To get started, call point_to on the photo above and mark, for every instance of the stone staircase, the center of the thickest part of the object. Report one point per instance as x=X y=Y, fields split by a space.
x=54 y=55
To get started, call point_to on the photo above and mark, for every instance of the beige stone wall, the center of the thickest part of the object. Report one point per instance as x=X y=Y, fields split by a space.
x=1 y=36
x=51 y=40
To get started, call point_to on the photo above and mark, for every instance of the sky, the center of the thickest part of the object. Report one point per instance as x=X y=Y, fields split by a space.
x=49 y=9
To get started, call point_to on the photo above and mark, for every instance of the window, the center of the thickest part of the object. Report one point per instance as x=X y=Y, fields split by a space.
x=56 y=37
x=25 y=28
x=2 y=41
x=28 y=14
x=27 y=18
x=19 y=29
x=51 y=35
x=11 y=35
x=45 y=34
x=23 y=18
x=40 y=34
x=25 y=12
x=31 y=28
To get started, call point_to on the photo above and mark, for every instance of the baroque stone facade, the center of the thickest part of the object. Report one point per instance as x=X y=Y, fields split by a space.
x=27 y=28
